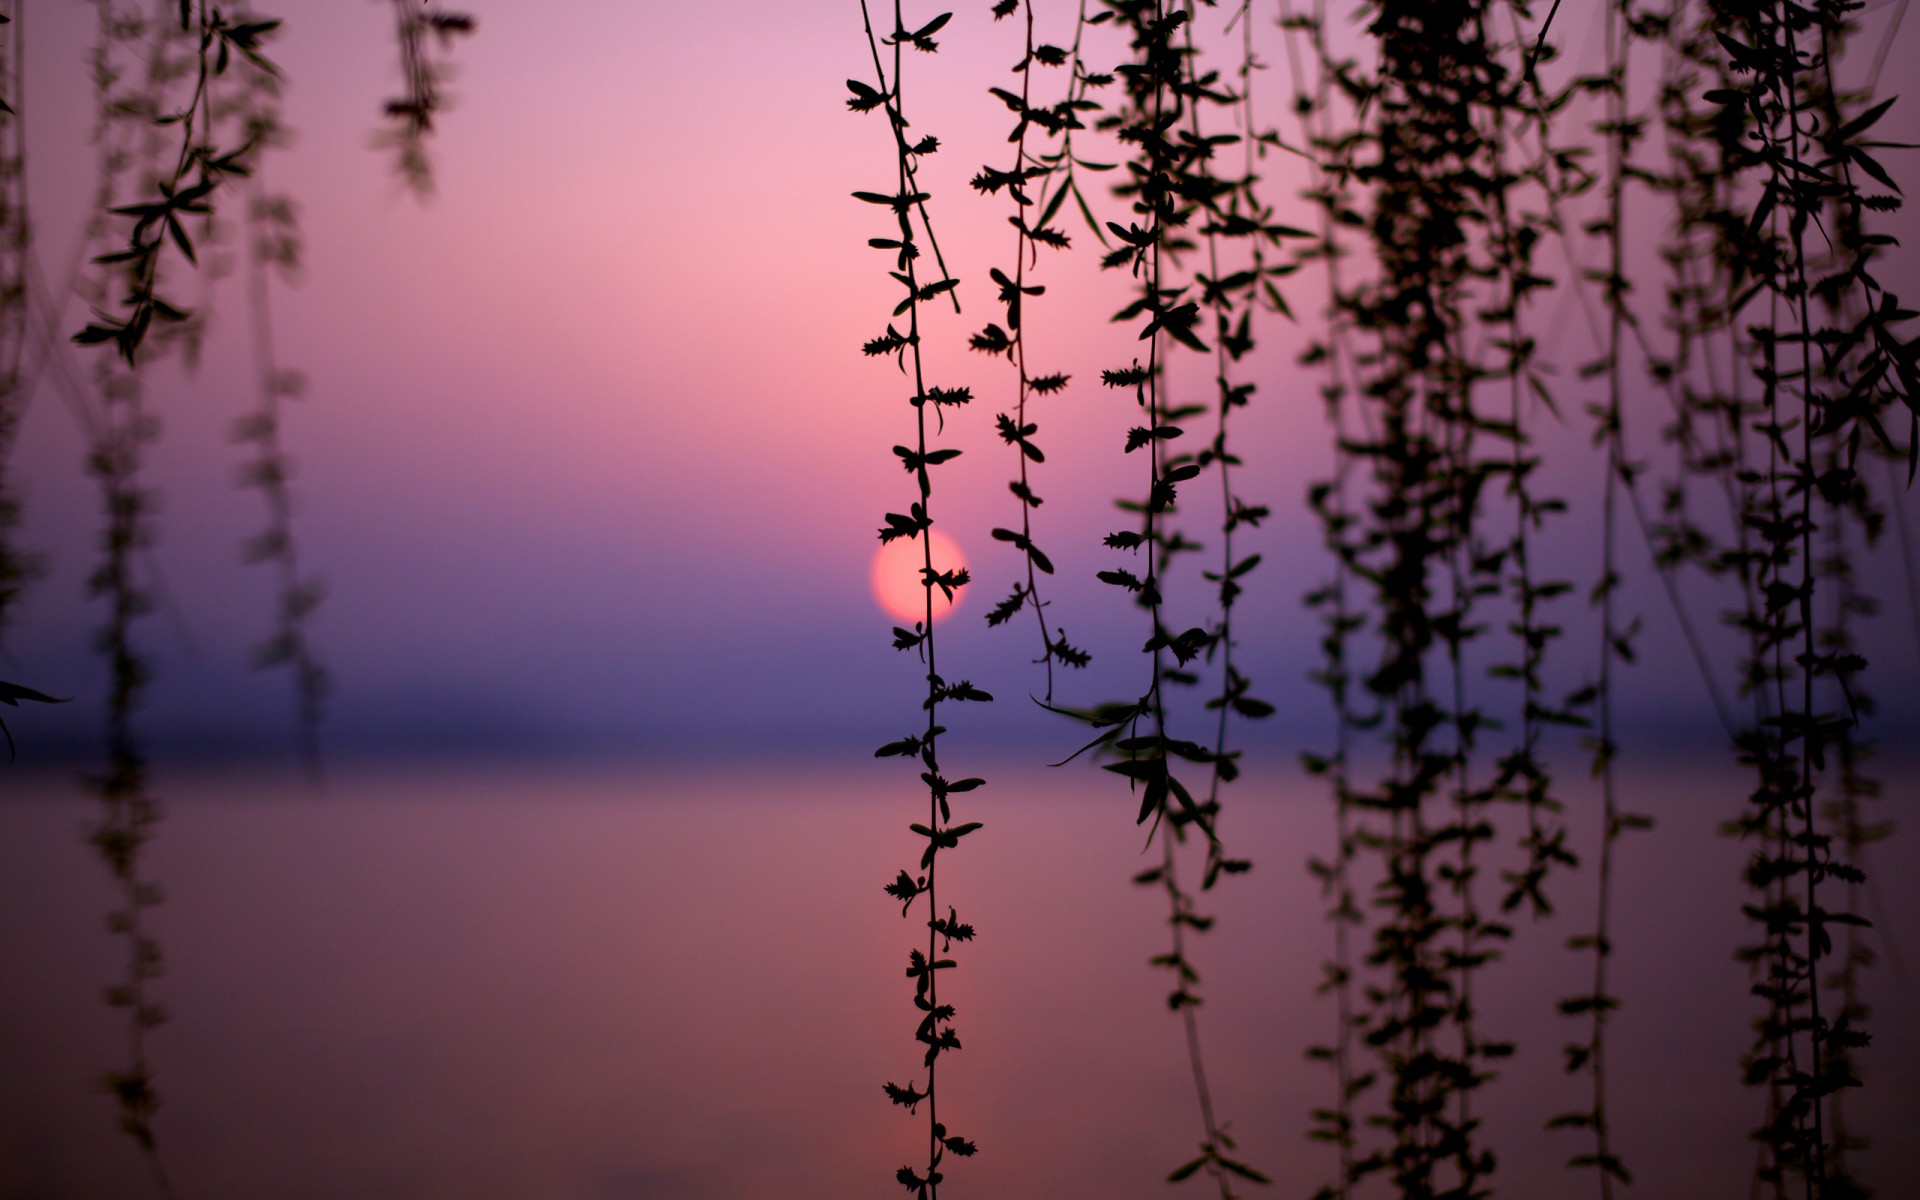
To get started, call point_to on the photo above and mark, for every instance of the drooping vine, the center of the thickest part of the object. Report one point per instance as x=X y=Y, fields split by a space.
x=177 y=137
x=1230 y=211
x=274 y=249
x=1516 y=236
x=1852 y=514
x=1824 y=390
x=425 y=35
x=1453 y=167
x=1429 y=163
x=1589 y=1055
x=118 y=427
x=1163 y=180
x=1770 y=175
x=16 y=566
x=1848 y=818
x=1329 y=192
x=182 y=187
x=934 y=1028
x=165 y=144
x=1015 y=430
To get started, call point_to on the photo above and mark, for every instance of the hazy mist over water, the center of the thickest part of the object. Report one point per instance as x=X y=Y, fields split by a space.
x=685 y=982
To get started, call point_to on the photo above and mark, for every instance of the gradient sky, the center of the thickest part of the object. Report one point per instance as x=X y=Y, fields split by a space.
x=590 y=459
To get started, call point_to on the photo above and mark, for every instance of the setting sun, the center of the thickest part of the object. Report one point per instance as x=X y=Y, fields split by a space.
x=896 y=576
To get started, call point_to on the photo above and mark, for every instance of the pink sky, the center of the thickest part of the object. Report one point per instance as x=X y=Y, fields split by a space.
x=590 y=429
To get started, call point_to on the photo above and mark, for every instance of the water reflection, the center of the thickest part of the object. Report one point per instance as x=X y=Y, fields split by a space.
x=672 y=984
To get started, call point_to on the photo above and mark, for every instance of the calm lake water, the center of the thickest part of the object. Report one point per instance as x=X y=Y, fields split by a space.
x=676 y=983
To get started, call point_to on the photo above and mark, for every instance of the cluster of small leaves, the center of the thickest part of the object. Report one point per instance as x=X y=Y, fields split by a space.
x=209 y=85
x=1432 y=505
x=189 y=186
x=934 y=1027
x=1015 y=430
x=426 y=35
x=1062 y=120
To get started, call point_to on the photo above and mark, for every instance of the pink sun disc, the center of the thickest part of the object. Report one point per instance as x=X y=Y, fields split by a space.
x=896 y=575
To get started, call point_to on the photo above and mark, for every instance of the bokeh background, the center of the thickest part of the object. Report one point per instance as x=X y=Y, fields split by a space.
x=592 y=466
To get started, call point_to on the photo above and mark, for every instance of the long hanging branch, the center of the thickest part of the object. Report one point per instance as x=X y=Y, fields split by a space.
x=1847 y=818
x=1329 y=191
x=1231 y=211
x=1015 y=430
x=1849 y=291
x=1437 y=79
x=935 y=1026
x=1778 y=74
x=1775 y=125
x=1157 y=85
x=1524 y=774
x=274 y=247
x=130 y=138
x=1597 y=1005
x=425 y=35
x=16 y=566
x=183 y=155
x=1712 y=254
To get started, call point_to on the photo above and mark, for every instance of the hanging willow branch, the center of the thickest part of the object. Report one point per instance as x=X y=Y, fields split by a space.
x=1428 y=157
x=274 y=248
x=1015 y=430
x=1167 y=170
x=1332 y=353
x=132 y=135
x=17 y=567
x=425 y=35
x=935 y=1025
